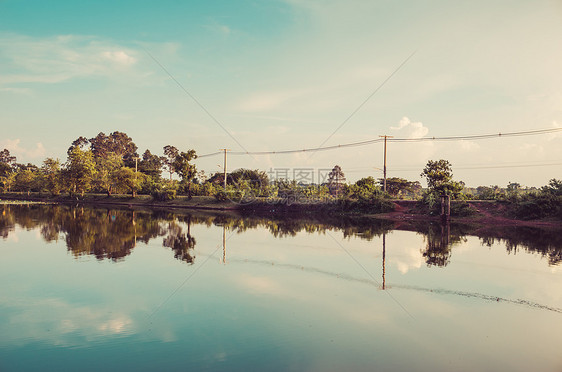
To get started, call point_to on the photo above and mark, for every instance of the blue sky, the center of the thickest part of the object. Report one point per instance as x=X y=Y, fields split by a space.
x=284 y=75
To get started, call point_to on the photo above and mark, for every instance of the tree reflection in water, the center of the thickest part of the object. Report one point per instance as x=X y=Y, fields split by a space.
x=113 y=233
x=439 y=243
x=182 y=244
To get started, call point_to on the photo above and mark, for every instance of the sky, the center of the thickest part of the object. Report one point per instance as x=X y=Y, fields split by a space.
x=290 y=74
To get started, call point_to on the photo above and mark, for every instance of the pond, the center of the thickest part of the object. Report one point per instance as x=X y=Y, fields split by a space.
x=106 y=289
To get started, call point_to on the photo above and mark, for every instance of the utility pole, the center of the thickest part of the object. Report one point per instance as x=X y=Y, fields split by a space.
x=225 y=150
x=384 y=169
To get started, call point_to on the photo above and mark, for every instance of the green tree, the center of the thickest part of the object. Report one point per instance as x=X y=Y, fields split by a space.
x=554 y=188
x=25 y=179
x=439 y=177
x=364 y=188
x=186 y=170
x=79 y=170
x=151 y=165
x=7 y=175
x=170 y=153
x=126 y=179
x=397 y=186
x=51 y=175
x=106 y=169
x=118 y=143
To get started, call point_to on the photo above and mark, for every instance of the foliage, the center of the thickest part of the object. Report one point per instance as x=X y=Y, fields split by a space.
x=7 y=175
x=79 y=170
x=25 y=178
x=51 y=176
x=439 y=177
x=170 y=153
x=399 y=187
x=106 y=172
x=117 y=143
x=336 y=180
x=165 y=191
x=151 y=165
x=547 y=203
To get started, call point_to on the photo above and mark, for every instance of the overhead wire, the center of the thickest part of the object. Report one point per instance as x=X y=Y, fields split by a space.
x=394 y=139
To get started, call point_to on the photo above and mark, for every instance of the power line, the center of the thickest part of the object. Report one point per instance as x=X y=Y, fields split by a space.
x=396 y=139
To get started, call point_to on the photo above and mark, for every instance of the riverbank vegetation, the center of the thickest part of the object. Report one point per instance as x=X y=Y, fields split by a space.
x=111 y=165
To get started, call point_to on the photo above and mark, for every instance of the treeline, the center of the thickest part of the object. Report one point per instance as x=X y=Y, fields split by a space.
x=111 y=164
x=104 y=164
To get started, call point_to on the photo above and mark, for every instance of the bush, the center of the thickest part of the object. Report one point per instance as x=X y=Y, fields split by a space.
x=539 y=206
x=164 y=195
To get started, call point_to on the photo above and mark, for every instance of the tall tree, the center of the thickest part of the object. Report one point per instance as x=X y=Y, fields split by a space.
x=6 y=158
x=106 y=168
x=7 y=163
x=51 y=173
x=184 y=168
x=81 y=142
x=171 y=153
x=79 y=170
x=336 y=180
x=118 y=143
x=439 y=177
x=25 y=178
x=151 y=165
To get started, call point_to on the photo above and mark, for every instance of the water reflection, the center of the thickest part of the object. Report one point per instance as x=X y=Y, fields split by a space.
x=181 y=243
x=113 y=233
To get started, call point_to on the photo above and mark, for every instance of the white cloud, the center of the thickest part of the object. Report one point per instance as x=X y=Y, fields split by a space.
x=38 y=152
x=56 y=59
x=411 y=129
x=120 y=57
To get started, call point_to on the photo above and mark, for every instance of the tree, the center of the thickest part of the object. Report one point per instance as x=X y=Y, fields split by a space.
x=106 y=168
x=365 y=188
x=336 y=180
x=51 y=173
x=81 y=142
x=151 y=165
x=554 y=188
x=25 y=178
x=184 y=168
x=7 y=175
x=6 y=158
x=171 y=153
x=256 y=179
x=118 y=143
x=397 y=186
x=79 y=170
x=126 y=179
x=439 y=177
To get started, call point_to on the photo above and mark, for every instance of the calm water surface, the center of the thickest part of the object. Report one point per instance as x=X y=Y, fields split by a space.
x=99 y=289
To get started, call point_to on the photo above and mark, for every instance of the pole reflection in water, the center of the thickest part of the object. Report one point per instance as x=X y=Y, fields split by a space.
x=383 y=260
x=224 y=245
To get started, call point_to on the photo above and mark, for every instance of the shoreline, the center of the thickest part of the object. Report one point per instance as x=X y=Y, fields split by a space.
x=488 y=213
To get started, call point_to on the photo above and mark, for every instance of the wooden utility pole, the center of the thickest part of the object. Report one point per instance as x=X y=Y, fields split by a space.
x=384 y=169
x=225 y=150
